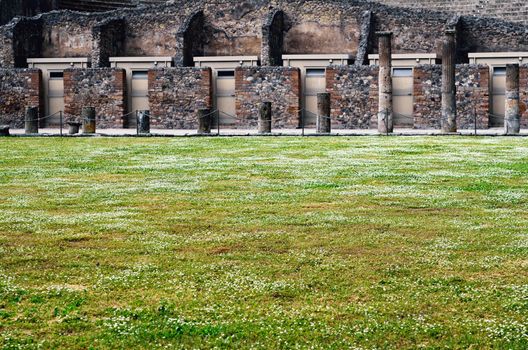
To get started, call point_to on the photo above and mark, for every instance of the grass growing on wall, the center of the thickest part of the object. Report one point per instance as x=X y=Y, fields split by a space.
x=271 y=243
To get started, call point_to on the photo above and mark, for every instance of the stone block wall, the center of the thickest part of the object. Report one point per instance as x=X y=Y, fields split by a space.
x=19 y=89
x=353 y=96
x=427 y=91
x=523 y=94
x=176 y=94
x=103 y=88
x=472 y=84
x=279 y=85
x=108 y=40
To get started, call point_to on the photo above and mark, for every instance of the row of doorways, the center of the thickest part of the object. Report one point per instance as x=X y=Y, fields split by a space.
x=313 y=82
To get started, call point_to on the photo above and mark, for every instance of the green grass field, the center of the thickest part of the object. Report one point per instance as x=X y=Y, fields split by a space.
x=272 y=243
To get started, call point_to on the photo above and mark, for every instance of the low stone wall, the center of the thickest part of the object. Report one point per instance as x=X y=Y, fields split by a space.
x=103 y=88
x=472 y=84
x=279 y=85
x=427 y=91
x=176 y=94
x=353 y=96
x=19 y=89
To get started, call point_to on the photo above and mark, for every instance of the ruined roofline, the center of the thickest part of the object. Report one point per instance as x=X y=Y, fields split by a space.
x=360 y=6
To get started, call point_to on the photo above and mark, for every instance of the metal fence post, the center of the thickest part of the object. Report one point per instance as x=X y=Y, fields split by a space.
x=302 y=122
x=61 y=122
x=475 y=118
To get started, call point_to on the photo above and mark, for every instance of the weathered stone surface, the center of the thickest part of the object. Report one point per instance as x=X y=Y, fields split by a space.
x=176 y=95
x=427 y=81
x=73 y=127
x=143 y=122
x=272 y=38
x=265 y=118
x=103 y=88
x=32 y=120
x=19 y=89
x=385 y=109
x=449 y=115
x=523 y=94
x=205 y=121
x=88 y=116
x=512 y=118
x=324 y=121
x=236 y=28
x=353 y=96
x=472 y=87
x=278 y=85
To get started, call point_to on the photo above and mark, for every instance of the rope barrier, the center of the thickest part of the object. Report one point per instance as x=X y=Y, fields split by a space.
x=43 y=118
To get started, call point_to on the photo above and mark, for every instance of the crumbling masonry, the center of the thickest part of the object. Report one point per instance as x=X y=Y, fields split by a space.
x=268 y=30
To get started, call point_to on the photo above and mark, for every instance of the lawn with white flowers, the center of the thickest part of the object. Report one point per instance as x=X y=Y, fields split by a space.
x=264 y=243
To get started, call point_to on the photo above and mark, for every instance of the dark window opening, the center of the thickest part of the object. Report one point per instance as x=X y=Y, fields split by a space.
x=56 y=75
x=226 y=73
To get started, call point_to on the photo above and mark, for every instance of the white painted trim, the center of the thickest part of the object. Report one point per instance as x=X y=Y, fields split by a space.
x=59 y=60
x=497 y=54
x=225 y=58
x=406 y=56
x=141 y=59
x=318 y=57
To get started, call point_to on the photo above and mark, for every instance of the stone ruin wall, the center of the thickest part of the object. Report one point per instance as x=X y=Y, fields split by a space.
x=514 y=11
x=19 y=89
x=235 y=28
x=472 y=98
x=176 y=94
x=251 y=27
x=279 y=85
x=102 y=88
x=353 y=96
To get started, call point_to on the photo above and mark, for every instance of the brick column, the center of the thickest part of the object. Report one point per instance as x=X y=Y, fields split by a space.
x=385 y=111
x=448 y=82
x=512 y=118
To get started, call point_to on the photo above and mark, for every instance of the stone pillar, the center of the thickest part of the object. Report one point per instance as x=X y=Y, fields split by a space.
x=4 y=130
x=385 y=111
x=32 y=120
x=205 y=120
x=512 y=117
x=265 y=118
x=73 y=127
x=88 y=119
x=143 y=122
x=324 y=124
x=449 y=123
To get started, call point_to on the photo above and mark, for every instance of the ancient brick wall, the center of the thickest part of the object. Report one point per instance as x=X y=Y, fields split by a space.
x=523 y=94
x=321 y=26
x=508 y=10
x=20 y=39
x=472 y=84
x=427 y=80
x=353 y=96
x=278 y=85
x=108 y=40
x=7 y=53
x=103 y=88
x=19 y=89
x=66 y=34
x=176 y=94
x=236 y=28
x=153 y=33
